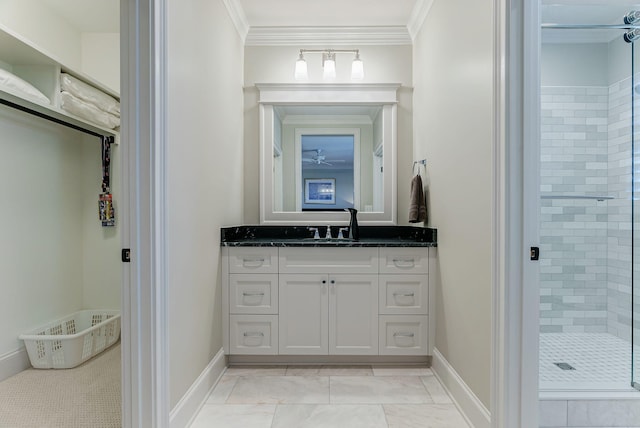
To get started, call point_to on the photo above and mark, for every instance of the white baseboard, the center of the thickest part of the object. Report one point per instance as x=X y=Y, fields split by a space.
x=467 y=402
x=13 y=363
x=189 y=405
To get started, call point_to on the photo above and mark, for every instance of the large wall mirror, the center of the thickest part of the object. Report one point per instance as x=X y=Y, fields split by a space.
x=327 y=148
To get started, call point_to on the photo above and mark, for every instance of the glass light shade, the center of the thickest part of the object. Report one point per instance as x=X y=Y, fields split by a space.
x=301 y=69
x=329 y=66
x=357 y=69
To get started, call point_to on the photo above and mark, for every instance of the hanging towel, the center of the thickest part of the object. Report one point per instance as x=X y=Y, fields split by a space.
x=417 y=203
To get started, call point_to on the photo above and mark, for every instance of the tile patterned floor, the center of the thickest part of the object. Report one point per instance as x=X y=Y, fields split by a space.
x=329 y=397
x=600 y=360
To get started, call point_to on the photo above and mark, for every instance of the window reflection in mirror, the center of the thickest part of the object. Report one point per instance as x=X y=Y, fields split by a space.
x=336 y=149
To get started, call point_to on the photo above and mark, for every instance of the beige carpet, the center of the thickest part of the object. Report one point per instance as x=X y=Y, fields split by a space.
x=86 y=396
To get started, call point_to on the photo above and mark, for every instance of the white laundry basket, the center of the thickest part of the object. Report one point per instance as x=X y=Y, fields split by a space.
x=72 y=340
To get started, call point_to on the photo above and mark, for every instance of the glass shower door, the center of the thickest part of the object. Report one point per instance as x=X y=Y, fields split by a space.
x=590 y=174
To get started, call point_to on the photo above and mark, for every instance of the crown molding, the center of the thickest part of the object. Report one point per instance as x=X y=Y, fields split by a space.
x=322 y=36
x=418 y=15
x=239 y=19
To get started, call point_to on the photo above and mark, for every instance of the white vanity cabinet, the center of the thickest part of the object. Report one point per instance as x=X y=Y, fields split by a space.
x=327 y=301
x=404 y=301
x=251 y=301
x=304 y=315
x=324 y=314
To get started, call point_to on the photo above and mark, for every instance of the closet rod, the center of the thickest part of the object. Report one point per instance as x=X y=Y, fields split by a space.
x=52 y=119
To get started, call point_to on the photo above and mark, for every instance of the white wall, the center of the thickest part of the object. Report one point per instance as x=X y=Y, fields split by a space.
x=204 y=177
x=102 y=268
x=100 y=58
x=275 y=64
x=41 y=250
x=620 y=60
x=453 y=123
x=95 y=54
x=50 y=33
x=586 y=64
x=574 y=64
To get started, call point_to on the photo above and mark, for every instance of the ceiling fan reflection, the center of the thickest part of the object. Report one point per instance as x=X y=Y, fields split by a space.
x=319 y=159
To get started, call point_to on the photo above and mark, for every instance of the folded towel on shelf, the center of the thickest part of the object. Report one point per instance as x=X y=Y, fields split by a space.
x=14 y=83
x=88 y=111
x=89 y=94
x=417 y=201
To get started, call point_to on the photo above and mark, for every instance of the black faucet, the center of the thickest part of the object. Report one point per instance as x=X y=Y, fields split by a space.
x=354 y=230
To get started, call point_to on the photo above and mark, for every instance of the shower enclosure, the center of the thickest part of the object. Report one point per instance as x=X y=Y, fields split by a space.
x=590 y=229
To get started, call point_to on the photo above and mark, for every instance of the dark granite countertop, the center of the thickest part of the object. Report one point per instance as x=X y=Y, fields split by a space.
x=301 y=236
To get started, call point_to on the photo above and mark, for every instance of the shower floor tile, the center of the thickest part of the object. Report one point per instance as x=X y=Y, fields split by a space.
x=601 y=360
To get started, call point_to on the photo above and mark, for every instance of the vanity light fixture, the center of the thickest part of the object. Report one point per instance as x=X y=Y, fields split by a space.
x=301 y=68
x=329 y=64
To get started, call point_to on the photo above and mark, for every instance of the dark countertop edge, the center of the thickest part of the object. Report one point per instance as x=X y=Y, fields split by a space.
x=300 y=236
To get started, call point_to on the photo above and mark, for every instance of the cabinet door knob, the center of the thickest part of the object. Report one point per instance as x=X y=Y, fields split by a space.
x=324 y=281
x=333 y=281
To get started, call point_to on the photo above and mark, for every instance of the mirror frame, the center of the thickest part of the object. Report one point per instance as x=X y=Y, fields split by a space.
x=384 y=95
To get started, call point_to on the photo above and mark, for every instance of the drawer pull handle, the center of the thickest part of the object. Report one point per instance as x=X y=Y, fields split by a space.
x=247 y=294
x=254 y=334
x=404 y=262
x=404 y=294
x=252 y=262
x=403 y=334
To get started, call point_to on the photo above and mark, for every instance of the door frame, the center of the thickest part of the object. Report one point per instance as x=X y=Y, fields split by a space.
x=145 y=347
x=515 y=289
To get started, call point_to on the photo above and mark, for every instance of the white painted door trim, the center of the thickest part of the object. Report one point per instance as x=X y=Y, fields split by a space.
x=145 y=380
x=514 y=389
x=530 y=284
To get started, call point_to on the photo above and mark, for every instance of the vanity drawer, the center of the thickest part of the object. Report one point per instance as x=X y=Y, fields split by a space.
x=403 y=294
x=329 y=260
x=403 y=334
x=253 y=293
x=410 y=260
x=253 y=334
x=253 y=260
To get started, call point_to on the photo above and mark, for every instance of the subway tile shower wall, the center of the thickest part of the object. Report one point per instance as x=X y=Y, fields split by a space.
x=619 y=243
x=585 y=244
